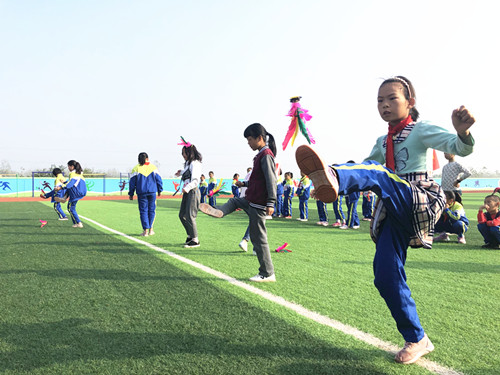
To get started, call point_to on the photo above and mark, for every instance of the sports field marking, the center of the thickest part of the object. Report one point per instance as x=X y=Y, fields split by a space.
x=301 y=310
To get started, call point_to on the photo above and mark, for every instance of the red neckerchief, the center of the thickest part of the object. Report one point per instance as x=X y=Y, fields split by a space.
x=146 y=163
x=392 y=131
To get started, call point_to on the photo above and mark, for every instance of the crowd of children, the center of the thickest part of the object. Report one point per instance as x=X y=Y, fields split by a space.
x=410 y=206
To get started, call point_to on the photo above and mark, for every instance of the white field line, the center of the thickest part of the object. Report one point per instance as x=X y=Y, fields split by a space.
x=344 y=328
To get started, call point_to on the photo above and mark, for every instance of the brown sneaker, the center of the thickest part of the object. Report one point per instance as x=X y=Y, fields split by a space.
x=412 y=351
x=323 y=177
x=209 y=210
x=61 y=200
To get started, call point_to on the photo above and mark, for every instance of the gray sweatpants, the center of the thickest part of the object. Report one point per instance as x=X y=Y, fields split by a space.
x=258 y=232
x=189 y=210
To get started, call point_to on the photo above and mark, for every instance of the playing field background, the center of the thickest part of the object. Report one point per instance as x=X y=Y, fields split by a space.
x=88 y=301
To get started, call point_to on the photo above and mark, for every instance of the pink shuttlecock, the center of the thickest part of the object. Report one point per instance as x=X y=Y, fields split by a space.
x=43 y=222
x=283 y=248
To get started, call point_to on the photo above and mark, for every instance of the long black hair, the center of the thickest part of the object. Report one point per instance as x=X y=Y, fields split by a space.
x=76 y=165
x=408 y=91
x=256 y=130
x=192 y=154
x=142 y=158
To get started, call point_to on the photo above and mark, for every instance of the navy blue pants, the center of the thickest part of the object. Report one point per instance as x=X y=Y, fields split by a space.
x=392 y=241
x=322 y=211
x=212 y=201
x=304 y=208
x=287 y=208
x=457 y=227
x=72 y=211
x=337 y=209
x=491 y=235
x=367 y=206
x=352 y=211
x=147 y=209
x=278 y=206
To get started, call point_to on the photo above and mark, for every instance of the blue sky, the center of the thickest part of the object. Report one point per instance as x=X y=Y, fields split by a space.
x=101 y=81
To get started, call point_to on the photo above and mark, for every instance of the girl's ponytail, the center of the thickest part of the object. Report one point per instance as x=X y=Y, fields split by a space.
x=271 y=143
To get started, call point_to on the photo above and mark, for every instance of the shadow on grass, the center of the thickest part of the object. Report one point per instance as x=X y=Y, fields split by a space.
x=460 y=267
x=95 y=274
x=75 y=339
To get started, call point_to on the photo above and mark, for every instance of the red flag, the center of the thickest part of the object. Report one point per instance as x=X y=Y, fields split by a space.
x=435 y=161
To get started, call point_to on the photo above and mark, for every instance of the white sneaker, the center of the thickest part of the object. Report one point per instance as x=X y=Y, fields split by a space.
x=442 y=237
x=78 y=225
x=63 y=218
x=243 y=245
x=343 y=227
x=263 y=279
x=269 y=217
x=355 y=227
x=412 y=351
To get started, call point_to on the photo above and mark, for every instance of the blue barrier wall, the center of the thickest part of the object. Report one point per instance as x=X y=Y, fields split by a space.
x=27 y=187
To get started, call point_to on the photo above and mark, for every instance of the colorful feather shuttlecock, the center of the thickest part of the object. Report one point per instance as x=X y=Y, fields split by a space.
x=497 y=190
x=299 y=117
x=217 y=190
x=283 y=249
x=43 y=222
x=184 y=143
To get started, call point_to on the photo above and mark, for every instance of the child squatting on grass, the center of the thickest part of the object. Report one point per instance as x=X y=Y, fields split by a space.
x=453 y=219
x=489 y=222
x=408 y=204
x=259 y=198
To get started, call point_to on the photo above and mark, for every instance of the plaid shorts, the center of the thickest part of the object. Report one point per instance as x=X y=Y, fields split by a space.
x=428 y=204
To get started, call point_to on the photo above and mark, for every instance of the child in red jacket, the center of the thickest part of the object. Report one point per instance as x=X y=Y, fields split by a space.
x=489 y=222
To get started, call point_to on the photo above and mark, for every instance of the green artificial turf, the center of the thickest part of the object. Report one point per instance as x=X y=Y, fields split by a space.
x=88 y=301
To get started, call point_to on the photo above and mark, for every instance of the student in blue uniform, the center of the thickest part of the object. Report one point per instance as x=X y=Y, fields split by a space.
x=59 y=181
x=235 y=188
x=76 y=189
x=368 y=205
x=453 y=219
x=203 y=188
x=352 y=208
x=278 y=207
x=212 y=183
x=289 y=189
x=147 y=182
x=304 y=192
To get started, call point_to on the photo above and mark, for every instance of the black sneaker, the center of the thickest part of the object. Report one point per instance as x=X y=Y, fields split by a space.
x=187 y=240
x=192 y=243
